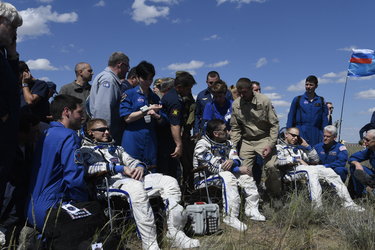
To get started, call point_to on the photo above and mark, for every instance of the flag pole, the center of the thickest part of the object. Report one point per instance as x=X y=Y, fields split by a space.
x=342 y=107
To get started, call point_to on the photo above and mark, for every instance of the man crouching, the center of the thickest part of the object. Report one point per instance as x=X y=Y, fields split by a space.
x=101 y=156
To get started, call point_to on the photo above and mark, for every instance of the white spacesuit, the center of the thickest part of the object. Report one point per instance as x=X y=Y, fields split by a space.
x=106 y=158
x=212 y=155
x=288 y=156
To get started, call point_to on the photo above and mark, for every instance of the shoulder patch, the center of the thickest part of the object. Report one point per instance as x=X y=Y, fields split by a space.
x=123 y=96
x=342 y=148
x=78 y=157
x=106 y=84
x=207 y=156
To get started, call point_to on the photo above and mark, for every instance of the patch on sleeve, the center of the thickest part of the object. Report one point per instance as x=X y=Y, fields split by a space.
x=123 y=96
x=342 y=148
x=175 y=112
x=106 y=84
x=207 y=156
x=78 y=157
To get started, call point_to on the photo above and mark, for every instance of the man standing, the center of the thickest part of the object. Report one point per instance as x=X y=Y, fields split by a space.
x=308 y=112
x=331 y=153
x=10 y=20
x=80 y=87
x=204 y=97
x=35 y=93
x=55 y=177
x=255 y=127
x=131 y=80
x=169 y=136
x=256 y=86
x=107 y=91
x=330 y=111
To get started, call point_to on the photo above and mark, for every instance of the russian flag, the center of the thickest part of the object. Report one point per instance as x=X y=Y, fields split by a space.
x=362 y=63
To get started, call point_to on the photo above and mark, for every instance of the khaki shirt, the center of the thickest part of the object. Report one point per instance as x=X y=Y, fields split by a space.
x=254 y=120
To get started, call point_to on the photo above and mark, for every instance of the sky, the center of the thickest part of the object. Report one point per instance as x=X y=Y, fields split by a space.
x=275 y=42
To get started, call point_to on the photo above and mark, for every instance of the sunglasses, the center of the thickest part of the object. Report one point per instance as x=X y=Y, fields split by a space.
x=102 y=129
x=293 y=135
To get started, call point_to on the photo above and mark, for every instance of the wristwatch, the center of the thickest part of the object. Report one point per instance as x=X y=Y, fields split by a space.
x=25 y=85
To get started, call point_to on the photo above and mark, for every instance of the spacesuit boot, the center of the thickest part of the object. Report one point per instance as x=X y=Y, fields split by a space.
x=251 y=208
x=176 y=221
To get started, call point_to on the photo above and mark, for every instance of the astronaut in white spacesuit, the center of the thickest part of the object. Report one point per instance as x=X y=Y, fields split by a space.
x=101 y=156
x=223 y=168
x=298 y=160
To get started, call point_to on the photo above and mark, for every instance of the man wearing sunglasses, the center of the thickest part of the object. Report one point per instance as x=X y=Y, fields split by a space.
x=364 y=176
x=128 y=178
x=297 y=160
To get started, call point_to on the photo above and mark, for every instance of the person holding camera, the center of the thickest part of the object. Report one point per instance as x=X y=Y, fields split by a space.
x=297 y=159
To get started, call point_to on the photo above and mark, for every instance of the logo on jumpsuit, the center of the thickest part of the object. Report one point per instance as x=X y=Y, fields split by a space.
x=175 y=112
x=141 y=99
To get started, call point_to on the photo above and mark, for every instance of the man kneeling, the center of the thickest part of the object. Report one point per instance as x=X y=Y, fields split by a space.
x=101 y=156
x=223 y=167
x=298 y=160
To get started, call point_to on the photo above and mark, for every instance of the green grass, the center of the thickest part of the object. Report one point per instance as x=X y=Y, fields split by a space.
x=296 y=225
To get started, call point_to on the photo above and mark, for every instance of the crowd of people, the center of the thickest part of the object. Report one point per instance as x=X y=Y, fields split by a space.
x=158 y=141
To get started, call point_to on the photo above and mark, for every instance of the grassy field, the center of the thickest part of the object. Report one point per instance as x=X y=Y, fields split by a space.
x=295 y=225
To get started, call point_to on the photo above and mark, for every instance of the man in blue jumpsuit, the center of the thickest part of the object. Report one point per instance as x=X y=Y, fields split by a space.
x=363 y=176
x=169 y=136
x=308 y=113
x=55 y=177
x=204 y=97
x=331 y=153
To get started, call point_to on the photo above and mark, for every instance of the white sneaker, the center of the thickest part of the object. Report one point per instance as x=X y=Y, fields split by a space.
x=254 y=214
x=180 y=240
x=354 y=207
x=235 y=223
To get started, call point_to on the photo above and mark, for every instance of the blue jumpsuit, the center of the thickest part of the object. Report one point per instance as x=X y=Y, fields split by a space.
x=203 y=98
x=213 y=111
x=55 y=176
x=360 y=156
x=334 y=157
x=139 y=137
x=310 y=117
